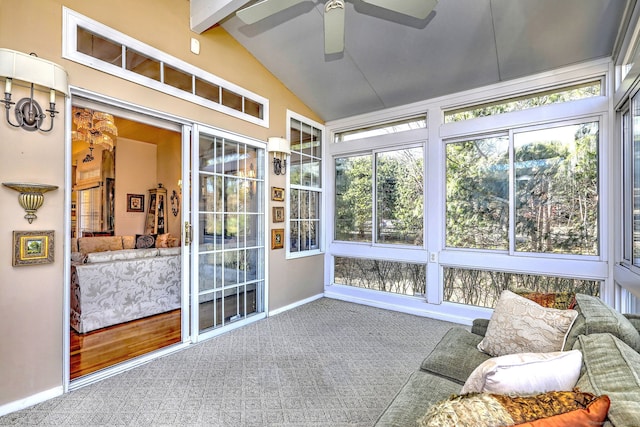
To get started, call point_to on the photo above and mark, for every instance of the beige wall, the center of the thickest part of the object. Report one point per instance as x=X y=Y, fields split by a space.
x=169 y=169
x=136 y=173
x=31 y=298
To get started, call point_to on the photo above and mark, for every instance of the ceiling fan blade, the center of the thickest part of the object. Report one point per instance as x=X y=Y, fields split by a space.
x=265 y=8
x=334 y=13
x=417 y=8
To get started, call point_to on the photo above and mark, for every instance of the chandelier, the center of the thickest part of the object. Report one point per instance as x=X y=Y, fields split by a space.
x=95 y=128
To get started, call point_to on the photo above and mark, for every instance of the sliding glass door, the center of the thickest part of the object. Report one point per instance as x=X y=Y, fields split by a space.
x=228 y=248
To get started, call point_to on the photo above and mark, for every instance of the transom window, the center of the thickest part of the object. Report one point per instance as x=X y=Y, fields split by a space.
x=96 y=45
x=548 y=97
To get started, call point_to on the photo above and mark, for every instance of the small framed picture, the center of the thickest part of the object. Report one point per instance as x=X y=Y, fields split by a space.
x=278 y=213
x=277 y=194
x=135 y=202
x=32 y=247
x=277 y=238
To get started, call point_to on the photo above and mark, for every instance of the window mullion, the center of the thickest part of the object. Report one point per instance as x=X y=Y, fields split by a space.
x=512 y=196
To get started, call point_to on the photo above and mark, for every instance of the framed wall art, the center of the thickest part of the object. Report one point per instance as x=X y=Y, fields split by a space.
x=32 y=247
x=135 y=202
x=277 y=238
x=277 y=194
x=278 y=213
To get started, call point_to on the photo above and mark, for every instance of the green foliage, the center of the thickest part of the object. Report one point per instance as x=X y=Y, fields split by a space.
x=399 y=193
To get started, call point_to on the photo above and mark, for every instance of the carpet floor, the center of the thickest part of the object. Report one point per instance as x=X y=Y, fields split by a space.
x=327 y=363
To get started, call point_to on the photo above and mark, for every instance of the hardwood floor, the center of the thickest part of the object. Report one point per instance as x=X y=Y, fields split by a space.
x=105 y=347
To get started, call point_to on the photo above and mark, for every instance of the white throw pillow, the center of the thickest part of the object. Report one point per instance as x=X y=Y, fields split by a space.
x=519 y=325
x=526 y=373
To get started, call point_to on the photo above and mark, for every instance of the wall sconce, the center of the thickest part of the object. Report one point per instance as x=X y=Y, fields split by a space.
x=31 y=196
x=35 y=71
x=280 y=148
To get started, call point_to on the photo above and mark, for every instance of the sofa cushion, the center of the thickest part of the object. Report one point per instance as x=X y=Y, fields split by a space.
x=162 y=241
x=519 y=325
x=612 y=368
x=526 y=373
x=634 y=319
x=124 y=254
x=421 y=390
x=498 y=410
x=593 y=415
x=455 y=356
x=144 y=241
x=128 y=242
x=600 y=318
x=87 y=245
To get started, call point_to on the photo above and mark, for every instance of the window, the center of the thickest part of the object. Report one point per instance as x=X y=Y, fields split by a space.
x=391 y=214
x=381 y=275
x=90 y=210
x=382 y=129
x=631 y=185
x=477 y=204
x=553 y=96
x=305 y=186
x=552 y=206
x=95 y=45
x=483 y=287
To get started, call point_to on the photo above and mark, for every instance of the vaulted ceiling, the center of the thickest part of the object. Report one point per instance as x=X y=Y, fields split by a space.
x=391 y=59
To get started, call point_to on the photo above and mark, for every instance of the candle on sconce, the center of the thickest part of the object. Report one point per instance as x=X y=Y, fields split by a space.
x=7 y=85
x=52 y=96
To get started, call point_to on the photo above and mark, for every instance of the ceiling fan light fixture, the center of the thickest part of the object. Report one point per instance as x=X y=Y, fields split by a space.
x=334 y=14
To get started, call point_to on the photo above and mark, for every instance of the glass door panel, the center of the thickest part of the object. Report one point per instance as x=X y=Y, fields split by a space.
x=229 y=236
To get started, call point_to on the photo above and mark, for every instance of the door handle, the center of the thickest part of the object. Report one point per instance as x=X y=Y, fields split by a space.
x=187 y=233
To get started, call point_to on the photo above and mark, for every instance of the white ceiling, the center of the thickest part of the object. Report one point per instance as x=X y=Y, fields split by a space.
x=391 y=60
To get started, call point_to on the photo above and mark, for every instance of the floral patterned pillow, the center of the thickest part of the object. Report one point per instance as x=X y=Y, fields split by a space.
x=519 y=325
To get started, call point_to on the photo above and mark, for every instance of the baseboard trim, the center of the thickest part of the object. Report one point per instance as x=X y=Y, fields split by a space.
x=31 y=400
x=448 y=312
x=295 y=304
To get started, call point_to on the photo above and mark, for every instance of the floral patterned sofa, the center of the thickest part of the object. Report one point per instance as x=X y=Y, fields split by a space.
x=113 y=280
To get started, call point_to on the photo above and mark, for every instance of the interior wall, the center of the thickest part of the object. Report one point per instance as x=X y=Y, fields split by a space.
x=136 y=173
x=31 y=298
x=169 y=173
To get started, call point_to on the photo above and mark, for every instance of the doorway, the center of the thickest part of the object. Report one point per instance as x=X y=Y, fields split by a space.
x=207 y=189
x=126 y=297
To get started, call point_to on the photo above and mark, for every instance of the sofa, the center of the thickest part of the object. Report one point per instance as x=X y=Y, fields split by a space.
x=115 y=280
x=608 y=343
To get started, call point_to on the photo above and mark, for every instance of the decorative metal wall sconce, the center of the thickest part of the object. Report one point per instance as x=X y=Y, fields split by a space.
x=31 y=196
x=280 y=148
x=34 y=71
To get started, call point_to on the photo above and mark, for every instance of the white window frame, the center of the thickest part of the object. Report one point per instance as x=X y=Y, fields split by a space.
x=321 y=232
x=435 y=252
x=72 y=20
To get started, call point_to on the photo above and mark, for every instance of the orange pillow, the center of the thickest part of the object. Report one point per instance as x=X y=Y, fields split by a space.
x=593 y=415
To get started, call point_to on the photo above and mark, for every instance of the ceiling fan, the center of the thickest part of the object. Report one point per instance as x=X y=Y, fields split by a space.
x=334 y=13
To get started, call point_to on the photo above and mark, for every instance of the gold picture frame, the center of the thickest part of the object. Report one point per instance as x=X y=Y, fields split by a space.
x=278 y=213
x=277 y=238
x=277 y=194
x=33 y=247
